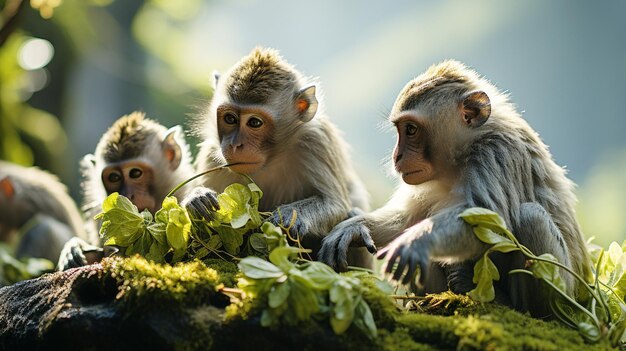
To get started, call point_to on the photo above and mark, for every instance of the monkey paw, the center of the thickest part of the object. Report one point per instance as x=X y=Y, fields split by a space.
x=352 y=232
x=201 y=203
x=404 y=256
x=283 y=216
x=77 y=253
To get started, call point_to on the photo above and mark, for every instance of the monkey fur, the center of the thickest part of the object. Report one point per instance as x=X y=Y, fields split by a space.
x=35 y=202
x=266 y=116
x=462 y=144
x=138 y=158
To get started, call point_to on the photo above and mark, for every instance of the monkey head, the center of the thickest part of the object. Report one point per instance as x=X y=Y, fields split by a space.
x=140 y=159
x=437 y=105
x=260 y=100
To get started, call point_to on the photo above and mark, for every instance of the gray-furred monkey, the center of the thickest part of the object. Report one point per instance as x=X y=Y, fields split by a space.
x=266 y=117
x=138 y=158
x=35 y=203
x=462 y=144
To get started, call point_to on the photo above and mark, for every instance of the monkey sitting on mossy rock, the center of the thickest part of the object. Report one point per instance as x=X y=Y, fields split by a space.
x=130 y=303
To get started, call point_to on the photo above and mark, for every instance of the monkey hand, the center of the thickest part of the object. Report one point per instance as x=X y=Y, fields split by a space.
x=410 y=252
x=352 y=232
x=77 y=253
x=284 y=216
x=201 y=202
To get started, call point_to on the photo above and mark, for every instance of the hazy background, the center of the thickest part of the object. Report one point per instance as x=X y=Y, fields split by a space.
x=563 y=62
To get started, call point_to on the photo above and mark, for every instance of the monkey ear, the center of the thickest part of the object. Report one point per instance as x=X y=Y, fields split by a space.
x=306 y=103
x=476 y=108
x=216 y=78
x=170 y=147
x=7 y=188
x=89 y=159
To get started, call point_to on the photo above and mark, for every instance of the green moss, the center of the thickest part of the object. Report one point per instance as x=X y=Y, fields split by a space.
x=139 y=280
x=227 y=271
x=440 y=321
x=400 y=340
x=384 y=309
x=490 y=327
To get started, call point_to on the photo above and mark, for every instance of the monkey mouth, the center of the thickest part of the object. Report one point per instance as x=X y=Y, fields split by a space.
x=245 y=167
x=412 y=172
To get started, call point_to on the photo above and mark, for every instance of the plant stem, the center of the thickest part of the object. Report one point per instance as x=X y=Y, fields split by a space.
x=199 y=175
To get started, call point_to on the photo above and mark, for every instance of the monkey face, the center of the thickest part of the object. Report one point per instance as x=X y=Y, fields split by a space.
x=133 y=179
x=411 y=155
x=245 y=137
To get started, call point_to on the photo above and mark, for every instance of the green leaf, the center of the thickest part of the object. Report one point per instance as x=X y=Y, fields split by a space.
x=231 y=238
x=256 y=268
x=485 y=218
x=122 y=224
x=485 y=272
x=485 y=268
x=548 y=271
x=157 y=252
x=280 y=257
x=234 y=205
x=321 y=276
x=486 y=235
x=215 y=242
x=364 y=319
x=202 y=253
x=505 y=246
x=341 y=294
x=157 y=230
x=177 y=223
x=274 y=236
x=278 y=294
x=303 y=301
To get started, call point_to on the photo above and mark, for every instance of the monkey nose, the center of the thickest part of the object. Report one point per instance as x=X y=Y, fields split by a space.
x=398 y=158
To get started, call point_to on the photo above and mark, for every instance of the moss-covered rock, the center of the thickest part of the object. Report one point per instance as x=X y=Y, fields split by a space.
x=134 y=304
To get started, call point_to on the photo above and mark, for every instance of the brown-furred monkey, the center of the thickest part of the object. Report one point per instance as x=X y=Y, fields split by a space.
x=462 y=144
x=138 y=158
x=34 y=203
x=266 y=117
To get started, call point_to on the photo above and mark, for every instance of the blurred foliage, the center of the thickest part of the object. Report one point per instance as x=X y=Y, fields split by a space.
x=25 y=130
x=602 y=206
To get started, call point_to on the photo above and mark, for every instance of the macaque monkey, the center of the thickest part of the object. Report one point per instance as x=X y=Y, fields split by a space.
x=462 y=144
x=266 y=118
x=36 y=204
x=137 y=158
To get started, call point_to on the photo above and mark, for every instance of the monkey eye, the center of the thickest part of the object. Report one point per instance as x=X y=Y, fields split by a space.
x=114 y=177
x=135 y=173
x=229 y=118
x=411 y=130
x=254 y=122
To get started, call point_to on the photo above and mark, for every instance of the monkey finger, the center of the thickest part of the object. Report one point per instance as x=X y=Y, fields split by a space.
x=392 y=260
x=77 y=258
x=341 y=254
x=397 y=274
x=410 y=276
x=210 y=200
x=369 y=243
x=423 y=271
x=382 y=253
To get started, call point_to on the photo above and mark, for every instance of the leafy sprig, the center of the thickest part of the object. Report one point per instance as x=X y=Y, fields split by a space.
x=292 y=288
x=295 y=290
x=604 y=315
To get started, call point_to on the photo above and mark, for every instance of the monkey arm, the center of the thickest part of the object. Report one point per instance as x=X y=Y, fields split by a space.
x=372 y=230
x=442 y=237
x=315 y=215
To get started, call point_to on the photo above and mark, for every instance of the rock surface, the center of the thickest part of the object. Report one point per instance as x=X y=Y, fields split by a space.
x=125 y=304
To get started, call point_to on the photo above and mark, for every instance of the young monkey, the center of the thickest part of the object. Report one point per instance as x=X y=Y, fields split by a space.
x=266 y=119
x=138 y=158
x=462 y=144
